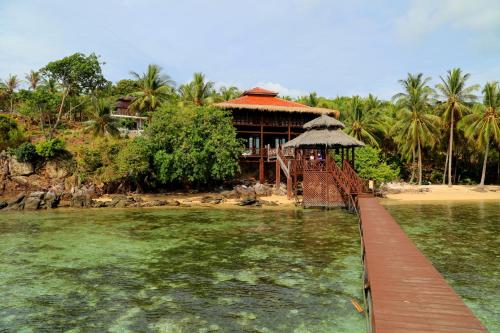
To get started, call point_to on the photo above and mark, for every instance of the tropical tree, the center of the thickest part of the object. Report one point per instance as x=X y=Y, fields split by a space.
x=483 y=124
x=228 y=93
x=416 y=127
x=33 y=78
x=154 y=89
x=9 y=87
x=198 y=90
x=456 y=97
x=101 y=122
x=312 y=99
x=363 y=124
x=76 y=74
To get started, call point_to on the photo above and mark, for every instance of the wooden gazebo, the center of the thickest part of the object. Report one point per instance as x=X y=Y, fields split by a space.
x=324 y=156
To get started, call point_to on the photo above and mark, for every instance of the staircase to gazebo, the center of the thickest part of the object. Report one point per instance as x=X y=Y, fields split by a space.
x=325 y=183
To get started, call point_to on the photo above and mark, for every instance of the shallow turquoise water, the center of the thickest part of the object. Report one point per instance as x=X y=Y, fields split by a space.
x=462 y=241
x=179 y=271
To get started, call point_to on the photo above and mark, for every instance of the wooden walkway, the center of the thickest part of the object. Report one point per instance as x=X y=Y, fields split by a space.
x=406 y=293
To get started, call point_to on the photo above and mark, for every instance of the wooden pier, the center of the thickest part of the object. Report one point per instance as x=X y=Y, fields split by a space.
x=404 y=292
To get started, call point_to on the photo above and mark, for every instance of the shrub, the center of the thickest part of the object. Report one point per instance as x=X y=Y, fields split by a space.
x=10 y=133
x=25 y=152
x=371 y=165
x=51 y=148
x=133 y=159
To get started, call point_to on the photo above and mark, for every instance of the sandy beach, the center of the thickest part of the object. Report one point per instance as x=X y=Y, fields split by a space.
x=411 y=193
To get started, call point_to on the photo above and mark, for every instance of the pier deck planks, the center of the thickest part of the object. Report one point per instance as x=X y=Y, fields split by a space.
x=408 y=294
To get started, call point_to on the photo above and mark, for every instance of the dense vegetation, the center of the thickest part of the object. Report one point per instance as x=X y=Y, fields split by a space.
x=427 y=133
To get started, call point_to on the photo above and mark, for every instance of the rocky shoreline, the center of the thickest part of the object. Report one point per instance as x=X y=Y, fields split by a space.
x=85 y=197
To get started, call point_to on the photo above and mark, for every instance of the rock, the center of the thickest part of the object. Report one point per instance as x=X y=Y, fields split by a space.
x=267 y=203
x=98 y=204
x=153 y=203
x=17 y=168
x=281 y=190
x=262 y=190
x=38 y=194
x=3 y=204
x=51 y=199
x=245 y=193
x=230 y=194
x=211 y=199
x=54 y=170
x=247 y=202
x=20 y=197
x=32 y=203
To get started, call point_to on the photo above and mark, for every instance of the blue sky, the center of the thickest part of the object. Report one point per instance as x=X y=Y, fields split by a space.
x=293 y=46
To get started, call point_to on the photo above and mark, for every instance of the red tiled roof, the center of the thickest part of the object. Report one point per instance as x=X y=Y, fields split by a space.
x=266 y=100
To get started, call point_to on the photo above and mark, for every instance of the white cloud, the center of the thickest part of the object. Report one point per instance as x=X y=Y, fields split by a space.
x=283 y=91
x=424 y=16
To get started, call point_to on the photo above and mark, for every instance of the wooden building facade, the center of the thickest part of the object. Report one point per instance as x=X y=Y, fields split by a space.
x=266 y=122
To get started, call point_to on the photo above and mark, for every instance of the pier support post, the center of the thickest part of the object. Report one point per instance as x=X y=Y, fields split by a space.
x=261 y=170
x=278 y=174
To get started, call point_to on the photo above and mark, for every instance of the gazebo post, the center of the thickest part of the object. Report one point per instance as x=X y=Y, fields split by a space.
x=352 y=157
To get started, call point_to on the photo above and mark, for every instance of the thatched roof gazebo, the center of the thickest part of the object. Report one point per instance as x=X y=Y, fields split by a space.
x=324 y=132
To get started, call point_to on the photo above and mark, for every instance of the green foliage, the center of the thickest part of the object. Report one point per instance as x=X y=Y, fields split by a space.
x=10 y=133
x=77 y=73
x=125 y=88
x=133 y=159
x=25 y=152
x=196 y=145
x=370 y=165
x=101 y=122
x=51 y=148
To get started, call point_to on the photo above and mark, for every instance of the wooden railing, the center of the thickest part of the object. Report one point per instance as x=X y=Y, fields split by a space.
x=357 y=184
x=253 y=152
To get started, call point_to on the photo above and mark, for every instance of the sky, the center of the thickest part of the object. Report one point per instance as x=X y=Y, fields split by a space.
x=334 y=48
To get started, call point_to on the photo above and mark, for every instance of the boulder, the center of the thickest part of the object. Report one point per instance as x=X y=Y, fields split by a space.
x=17 y=168
x=51 y=199
x=212 y=199
x=3 y=204
x=281 y=190
x=248 y=202
x=53 y=169
x=245 y=193
x=32 y=203
x=262 y=190
x=16 y=200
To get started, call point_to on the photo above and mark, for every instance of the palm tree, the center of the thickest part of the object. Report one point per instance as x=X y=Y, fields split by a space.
x=10 y=85
x=33 y=79
x=312 y=99
x=229 y=93
x=416 y=128
x=456 y=97
x=101 y=122
x=198 y=90
x=483 y=125
x=155 y=88
x=362 y=123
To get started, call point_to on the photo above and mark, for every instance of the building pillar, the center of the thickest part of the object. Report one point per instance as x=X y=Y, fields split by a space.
x=278 y=175
x=261 y=170
x=289 y=129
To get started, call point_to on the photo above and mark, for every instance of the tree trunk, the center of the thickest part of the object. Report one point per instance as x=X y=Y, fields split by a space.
x=485 y=162
x=419 y=164
x=450 y=152
x=445 y=168
x=12 y=103
x=412 y=165
x=59 y=114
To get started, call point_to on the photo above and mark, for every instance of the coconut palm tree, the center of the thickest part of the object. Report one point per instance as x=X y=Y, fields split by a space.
x=363 y=124
x=198 y=90
x=483 y=124
x=33 y=79
x=10 y=85
x=227 y=93
x=416 y=128
x=101 y=122
x=155 y=88
x=312 y=99
x=457 y=96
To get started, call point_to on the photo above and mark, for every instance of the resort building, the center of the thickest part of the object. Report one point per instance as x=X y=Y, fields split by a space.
x=122 y=110
x=266 y=122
